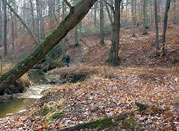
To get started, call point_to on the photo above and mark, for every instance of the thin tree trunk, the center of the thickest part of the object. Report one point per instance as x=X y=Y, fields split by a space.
x=81 y=25
x=32 y=13
x=144 y=18
x=174 y=10
x=42 y=28
x=1 y=22
x=74 y=17
x=12 y=32
x=38 y=20
x=101 y=22
x=165 y=25
x=156 y=27
x=76 y=36
x=109 y=14
x=95 y=13
x=5 y=28
x=133 y=17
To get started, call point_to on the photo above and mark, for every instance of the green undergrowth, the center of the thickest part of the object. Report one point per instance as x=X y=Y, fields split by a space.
x=176 y=61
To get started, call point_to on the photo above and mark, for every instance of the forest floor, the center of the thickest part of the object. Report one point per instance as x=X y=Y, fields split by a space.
x=111 y=91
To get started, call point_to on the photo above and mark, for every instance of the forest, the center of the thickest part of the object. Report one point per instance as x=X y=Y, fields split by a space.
x=89 y=65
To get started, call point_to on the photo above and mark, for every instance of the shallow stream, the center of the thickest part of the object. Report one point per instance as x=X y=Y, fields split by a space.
x=23 y=101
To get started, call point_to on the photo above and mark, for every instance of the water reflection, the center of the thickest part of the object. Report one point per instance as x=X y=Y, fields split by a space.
x=15 y=106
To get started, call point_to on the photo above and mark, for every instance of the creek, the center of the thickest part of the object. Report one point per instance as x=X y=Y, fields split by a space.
x=22 y=101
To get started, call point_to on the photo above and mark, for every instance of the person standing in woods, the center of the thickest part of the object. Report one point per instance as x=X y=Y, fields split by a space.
x=68 y=60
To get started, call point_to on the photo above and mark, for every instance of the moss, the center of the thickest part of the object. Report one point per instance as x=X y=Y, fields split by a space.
x=176 y=61
x=176 y=104
x=56 y=116
x=43 y=110
x=101 y=123
x=129 y=124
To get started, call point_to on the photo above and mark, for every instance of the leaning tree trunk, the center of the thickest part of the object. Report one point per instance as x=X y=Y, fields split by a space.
x=165 y=25
x=113 y=56
x=76 y=14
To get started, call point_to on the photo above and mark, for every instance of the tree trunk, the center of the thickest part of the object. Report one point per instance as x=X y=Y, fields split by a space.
x=32 y=13
x=133 y=17
x=165 y=25
x=101 y=22
x=5 y=28
x=1 y=22
x=12 y=32
x=76 y=36
x=42 y=28
x=114 y=57
x=38 y=20
x=156 y=27
x=95 y=13
x=174 y=10
x=144 y=18
x=74 y=17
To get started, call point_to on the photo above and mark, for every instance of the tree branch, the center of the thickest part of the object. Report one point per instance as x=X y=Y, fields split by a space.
x=68 y=4
x=111 y=6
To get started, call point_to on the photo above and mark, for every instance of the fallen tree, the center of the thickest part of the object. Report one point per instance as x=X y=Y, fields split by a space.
x=77 y=13
x=103 y=123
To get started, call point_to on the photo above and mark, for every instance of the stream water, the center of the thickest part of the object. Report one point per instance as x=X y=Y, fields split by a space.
x=23 y=101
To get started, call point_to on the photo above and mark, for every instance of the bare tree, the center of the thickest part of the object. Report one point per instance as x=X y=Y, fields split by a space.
x=101 y=22
x=5 y=28
x=156 y=27
x=1 y=22
x=113 y=56
x=133 y=8
x=144 y=17
x=167 y=7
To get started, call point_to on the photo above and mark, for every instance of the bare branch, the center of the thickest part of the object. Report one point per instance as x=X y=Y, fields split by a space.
x=68 y=4
x=111 y=6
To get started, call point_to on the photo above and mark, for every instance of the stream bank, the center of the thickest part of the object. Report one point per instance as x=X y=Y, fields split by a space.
x=19 y=100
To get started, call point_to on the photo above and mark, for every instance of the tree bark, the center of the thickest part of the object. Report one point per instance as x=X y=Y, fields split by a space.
x=101 y=22
x=156 y=27
x=76 y=36
x=1 y=22
x=42 y=28
x=73 y=18
x=133 y=2
x=174 y=10
x=144 y=17
x=12 y=32
x=5 y=28
x=167 y=7
x=95 y=14
x=32 y=13
x=113 y=56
